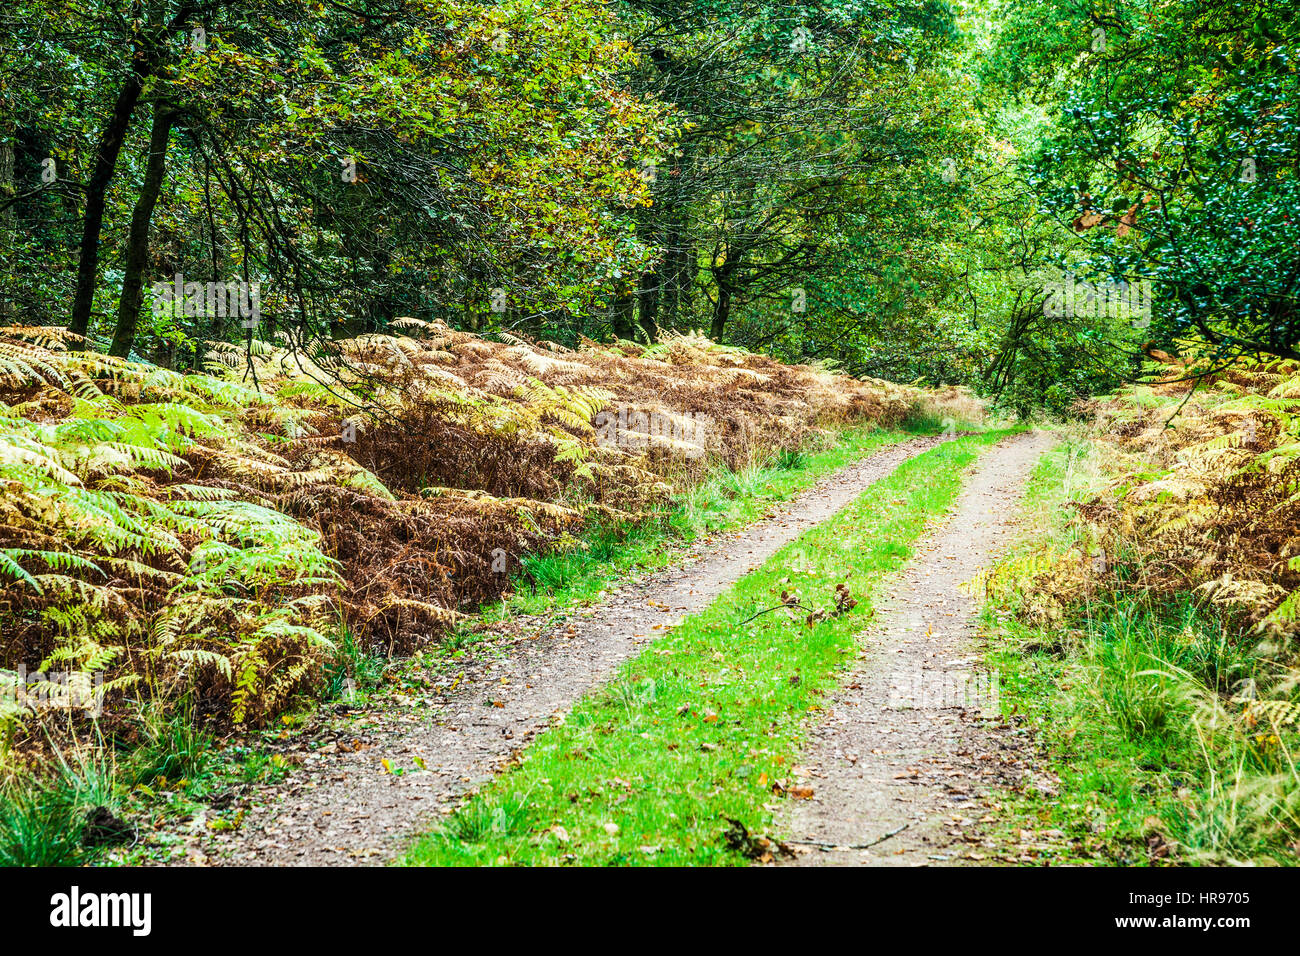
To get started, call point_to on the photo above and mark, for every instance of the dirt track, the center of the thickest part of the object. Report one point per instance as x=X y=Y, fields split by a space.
x=341 y=807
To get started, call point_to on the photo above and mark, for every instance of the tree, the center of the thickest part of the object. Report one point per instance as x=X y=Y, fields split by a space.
x=361 y=162
x=1174 y=155
x=790 y=117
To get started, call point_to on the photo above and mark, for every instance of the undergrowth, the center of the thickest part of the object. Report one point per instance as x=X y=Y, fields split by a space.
x=208 y=535
x=1168 y=718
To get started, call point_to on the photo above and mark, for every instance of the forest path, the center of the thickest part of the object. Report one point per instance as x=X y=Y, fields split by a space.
x=912 y=739
x=343 y=807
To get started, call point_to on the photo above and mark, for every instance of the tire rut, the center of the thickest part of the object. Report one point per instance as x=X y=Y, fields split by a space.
x=901 y=766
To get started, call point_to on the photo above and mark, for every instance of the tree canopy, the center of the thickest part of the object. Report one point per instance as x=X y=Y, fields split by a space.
x=900 y=187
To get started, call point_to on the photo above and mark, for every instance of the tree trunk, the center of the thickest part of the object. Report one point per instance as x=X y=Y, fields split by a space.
x=137 y=250
x=621 y=311
x=721 y=312
x=110 y=144
x=8 y=217
x=647 y=292
x=677 y=273
x=648 y=301
x=673 y=298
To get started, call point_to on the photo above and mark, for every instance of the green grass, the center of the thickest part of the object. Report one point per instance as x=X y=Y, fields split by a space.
x=700 y=727
x=170 y=748
x=43 y=819
x=355 y=673
x=1128 y=695
x=1116 y=703
x=85 y=806
x=41 y=825
x=726 y=499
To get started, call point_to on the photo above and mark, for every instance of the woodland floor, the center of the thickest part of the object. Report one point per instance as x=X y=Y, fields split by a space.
x=345 y=804
x=912 y=747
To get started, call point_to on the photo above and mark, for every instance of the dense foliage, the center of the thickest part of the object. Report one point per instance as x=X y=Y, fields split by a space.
x=1170 y=153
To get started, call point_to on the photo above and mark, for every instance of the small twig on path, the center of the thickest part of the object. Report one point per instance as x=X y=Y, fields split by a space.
x=851 y=846
x=767 y=610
